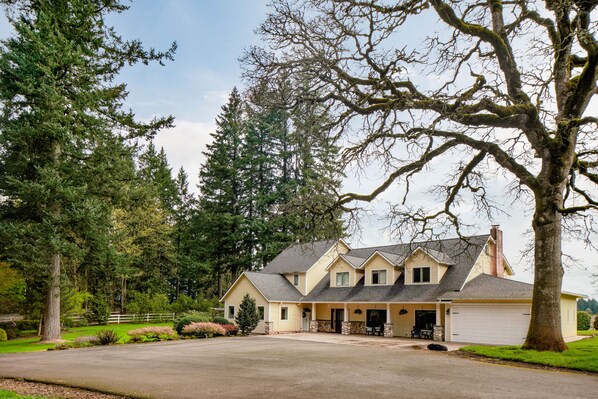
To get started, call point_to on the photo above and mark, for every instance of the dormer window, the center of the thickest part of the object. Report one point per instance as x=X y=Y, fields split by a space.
x=421 y=275
x=295 y=280
x=342 y=279
x=378 y=277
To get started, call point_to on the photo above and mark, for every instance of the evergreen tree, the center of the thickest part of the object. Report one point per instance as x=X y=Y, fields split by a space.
x=248 y=317
x=220 y=216
x=62 y=134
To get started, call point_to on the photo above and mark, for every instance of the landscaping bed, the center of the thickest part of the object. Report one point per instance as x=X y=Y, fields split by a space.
x=582 y=355
x=16 y=389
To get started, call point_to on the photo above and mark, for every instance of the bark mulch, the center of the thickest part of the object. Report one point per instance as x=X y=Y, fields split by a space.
x=52 y=391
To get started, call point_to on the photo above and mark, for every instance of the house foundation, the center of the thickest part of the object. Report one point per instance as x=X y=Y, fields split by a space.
x=313 y=326
x=389 y=331
x=346 y=328
x=438 y=334
x=269 y=328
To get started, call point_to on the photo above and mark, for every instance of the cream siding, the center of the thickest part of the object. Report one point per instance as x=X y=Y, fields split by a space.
x=235 y=296
x=377 y=262
x=318 y=271
x=421 y=259
x=403 y=324
x=293 y=324
x=569 y=316
x=339 y=266
x=302 y=281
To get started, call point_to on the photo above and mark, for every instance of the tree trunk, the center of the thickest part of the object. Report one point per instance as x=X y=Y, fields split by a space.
x=545 y=332
x=51 y=326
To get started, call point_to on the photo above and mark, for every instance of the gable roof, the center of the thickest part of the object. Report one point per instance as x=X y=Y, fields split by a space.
x=299 y=258
x=462 y=253
x=274 y=287
x=486 y=286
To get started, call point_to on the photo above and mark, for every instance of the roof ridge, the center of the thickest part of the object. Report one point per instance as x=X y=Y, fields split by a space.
x=421 y=242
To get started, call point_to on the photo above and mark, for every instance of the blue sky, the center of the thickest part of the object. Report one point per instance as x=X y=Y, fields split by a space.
x=211 y=36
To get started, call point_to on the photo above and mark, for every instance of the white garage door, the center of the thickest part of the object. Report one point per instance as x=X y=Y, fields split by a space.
x=490 y=324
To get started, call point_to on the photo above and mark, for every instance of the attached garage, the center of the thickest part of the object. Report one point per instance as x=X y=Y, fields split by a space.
x=499 y=324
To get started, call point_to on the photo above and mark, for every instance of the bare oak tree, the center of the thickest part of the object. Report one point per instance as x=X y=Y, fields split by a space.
x=501 y=86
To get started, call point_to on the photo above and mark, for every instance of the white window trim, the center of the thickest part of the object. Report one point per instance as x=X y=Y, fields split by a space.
x=385 y=277
x=286 y=312
x=263 y=317
x=234 y=311
x=348 y=279
x=421 y=275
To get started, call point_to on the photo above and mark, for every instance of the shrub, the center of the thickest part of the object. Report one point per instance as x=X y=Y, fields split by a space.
x=100 y=311
x=221 y=320
x=188 y=318
x=583 y=320
x=107 y=337
x=152 y=334
x=142 y=303
x=204 y=330
x=231 y=329
x=3 y=336
x=27 y=325
x=595 y=322
x=248 y=318
x=10 y=328
x=89 y=339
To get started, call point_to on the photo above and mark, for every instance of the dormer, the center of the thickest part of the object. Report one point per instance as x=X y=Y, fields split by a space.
x=426 y=266
x=345 y=271
x=381 y=268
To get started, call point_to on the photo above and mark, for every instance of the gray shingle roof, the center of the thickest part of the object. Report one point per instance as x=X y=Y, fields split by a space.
x=353 y=261
x=298 y=258
x=463 y=254
x=275 y=287
x=486 y=286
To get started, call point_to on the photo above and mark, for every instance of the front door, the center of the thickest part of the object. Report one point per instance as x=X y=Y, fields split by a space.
x=375 y=318
x=336 y=318
x=425 y=319
x=305 y=321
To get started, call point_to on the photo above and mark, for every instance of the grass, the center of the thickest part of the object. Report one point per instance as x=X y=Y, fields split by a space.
x=11 y=395
x=588 y=333
x=31 y=343
x=581 y=355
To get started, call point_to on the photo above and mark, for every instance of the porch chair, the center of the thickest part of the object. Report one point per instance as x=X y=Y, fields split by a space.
x=378 y=331
x=369 y=330
x=416 y=332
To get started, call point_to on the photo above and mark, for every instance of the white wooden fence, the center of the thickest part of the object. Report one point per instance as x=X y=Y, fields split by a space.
x=117 y=318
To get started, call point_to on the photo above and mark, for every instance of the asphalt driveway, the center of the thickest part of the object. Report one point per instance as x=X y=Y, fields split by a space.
x=257 y=367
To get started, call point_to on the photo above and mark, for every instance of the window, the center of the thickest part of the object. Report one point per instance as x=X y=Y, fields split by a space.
x=421 y=274
x=342 y=279
x=260 y=312
x=295 y=279
x=378 y=276
x=231 y=312
x=284 y=313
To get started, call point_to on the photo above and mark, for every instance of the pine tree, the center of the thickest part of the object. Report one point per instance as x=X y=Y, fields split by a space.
x=248 y=317
x=62 y=133
x=220 y=216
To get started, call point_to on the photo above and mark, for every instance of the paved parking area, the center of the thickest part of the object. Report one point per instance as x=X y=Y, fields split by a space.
x=261 y=366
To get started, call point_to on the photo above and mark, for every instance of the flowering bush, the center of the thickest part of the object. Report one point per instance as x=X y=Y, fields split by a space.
x=231 y=329
x=152 y=334
x=204 y=330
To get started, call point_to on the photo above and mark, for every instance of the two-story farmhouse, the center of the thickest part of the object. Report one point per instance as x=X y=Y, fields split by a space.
x=453 y=290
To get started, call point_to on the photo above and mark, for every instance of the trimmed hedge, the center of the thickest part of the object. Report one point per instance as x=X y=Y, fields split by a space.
x=186 y=319
x=204 y=330
x=3 y=336
x=231 y=329
x=221 y=320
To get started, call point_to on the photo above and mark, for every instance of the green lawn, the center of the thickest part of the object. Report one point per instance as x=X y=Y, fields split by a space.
x=587 y=332
x=30 y=344
x=11 y=395
x=581 y=355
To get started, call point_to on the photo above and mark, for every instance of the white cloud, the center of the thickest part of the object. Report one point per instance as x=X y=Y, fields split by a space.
x=184 y=146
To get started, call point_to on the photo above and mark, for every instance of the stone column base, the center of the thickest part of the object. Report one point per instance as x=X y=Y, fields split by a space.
x=389 y=331
x=346 y=328
x=269 y=327
x=438 y=333
x=313 y=326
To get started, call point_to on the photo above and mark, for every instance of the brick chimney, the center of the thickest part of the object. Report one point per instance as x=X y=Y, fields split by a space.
x=496 y=234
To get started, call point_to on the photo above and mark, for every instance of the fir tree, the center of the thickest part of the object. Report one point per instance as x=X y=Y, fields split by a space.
x=248 y=317
x=63 y=133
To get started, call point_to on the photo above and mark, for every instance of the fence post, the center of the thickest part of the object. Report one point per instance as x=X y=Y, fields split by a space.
x=118 y=319
x=147 y=318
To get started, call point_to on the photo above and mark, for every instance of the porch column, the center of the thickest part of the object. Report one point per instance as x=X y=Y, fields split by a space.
x=438 y=334
x=388 y=327
x=313 y=323
x=346 y=326
x=268 y=321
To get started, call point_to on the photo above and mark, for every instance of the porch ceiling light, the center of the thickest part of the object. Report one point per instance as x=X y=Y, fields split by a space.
x=358 y=311
x=403 y=311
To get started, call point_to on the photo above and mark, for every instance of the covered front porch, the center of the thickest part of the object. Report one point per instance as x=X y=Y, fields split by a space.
x=407 y=320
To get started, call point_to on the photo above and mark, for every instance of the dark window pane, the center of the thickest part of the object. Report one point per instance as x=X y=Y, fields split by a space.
x=426 y=275
x=417 y=275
